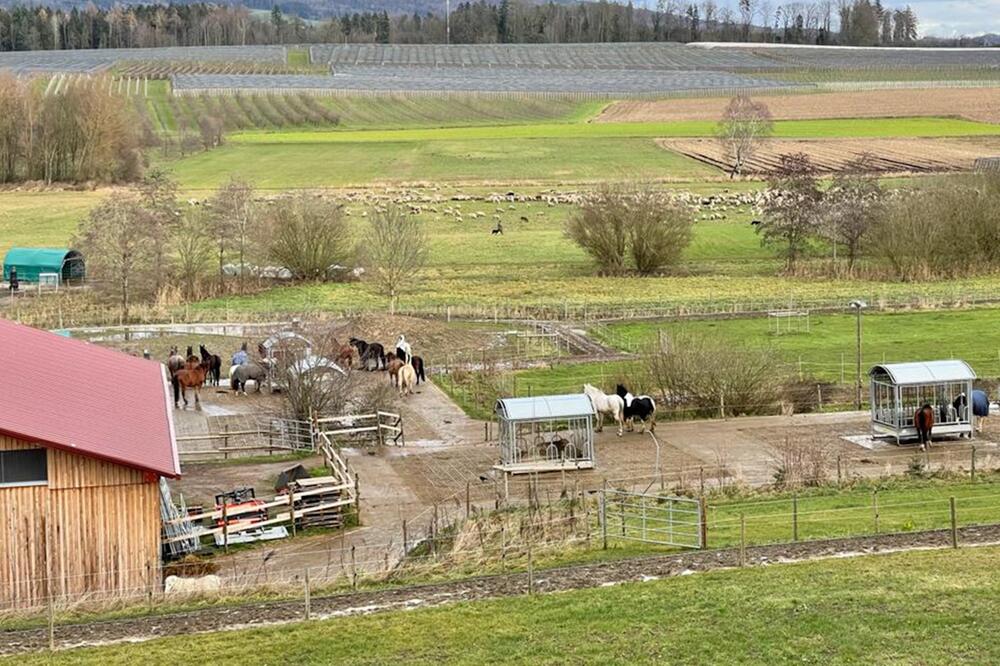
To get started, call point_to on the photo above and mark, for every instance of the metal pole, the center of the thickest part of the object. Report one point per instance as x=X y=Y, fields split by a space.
x=857 y=399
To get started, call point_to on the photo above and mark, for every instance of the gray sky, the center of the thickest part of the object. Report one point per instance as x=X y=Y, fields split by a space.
x=947 y=18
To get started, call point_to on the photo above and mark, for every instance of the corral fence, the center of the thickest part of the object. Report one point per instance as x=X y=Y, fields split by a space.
x=247 y=436
x=379 y=428
x=651 y=518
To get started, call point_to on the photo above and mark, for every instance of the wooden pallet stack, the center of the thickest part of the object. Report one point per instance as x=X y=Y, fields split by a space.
x=320 y=501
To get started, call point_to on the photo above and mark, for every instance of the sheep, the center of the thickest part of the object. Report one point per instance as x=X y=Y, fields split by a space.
x=178 y=585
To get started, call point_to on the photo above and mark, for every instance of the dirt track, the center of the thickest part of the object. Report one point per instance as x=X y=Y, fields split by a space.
x=982 y=104
x=546 y=581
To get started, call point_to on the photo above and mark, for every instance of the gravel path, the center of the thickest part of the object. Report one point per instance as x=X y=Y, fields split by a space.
x=546 y=581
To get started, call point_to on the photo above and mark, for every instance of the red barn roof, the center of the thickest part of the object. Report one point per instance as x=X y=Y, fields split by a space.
x=86 y=399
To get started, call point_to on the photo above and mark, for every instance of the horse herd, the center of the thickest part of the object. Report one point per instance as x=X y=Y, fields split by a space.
x=623 y=408
x=405 y=370
x=192 y=372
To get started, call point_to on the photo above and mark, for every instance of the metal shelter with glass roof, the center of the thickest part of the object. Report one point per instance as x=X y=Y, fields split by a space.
x=898 y=390
x=546 y=433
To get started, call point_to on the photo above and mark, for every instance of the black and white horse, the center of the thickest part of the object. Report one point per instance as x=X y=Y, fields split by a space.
x=370 y=355
x=640 y=407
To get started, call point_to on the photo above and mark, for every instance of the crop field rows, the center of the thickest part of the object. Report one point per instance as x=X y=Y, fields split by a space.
x=82 y=61
x=481 y=79
x=832 y=155
x=161 y=69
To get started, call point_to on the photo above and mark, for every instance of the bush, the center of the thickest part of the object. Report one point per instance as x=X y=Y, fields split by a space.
x=618 y=223
x=715 y=377
x=307 y=236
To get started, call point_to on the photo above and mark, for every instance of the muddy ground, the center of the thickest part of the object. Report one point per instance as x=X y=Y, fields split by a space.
x=424 y=596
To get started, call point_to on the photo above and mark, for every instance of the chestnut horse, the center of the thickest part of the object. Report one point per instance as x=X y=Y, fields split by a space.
x=191 y=376
x=923 y=420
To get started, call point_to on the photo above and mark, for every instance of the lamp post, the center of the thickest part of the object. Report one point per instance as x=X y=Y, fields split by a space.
x=858 y=306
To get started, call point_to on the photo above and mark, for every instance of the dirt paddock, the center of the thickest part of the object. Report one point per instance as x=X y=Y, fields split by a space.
x=832 y=155
x=980 y=104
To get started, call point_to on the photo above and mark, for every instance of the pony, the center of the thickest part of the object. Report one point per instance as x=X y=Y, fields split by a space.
x=241 y=374
x=345 y=357
x=403 y=349
x=604 y=404
x=370 y=355
x=637 y=407
x=214 y=362
x=418 y=367
x=393 y=365
x=191 y=376
x=407 y=380
x=923 y=421
x=175 y=361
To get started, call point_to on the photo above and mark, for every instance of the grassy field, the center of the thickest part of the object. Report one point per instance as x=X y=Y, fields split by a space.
x=42 y=219
x=972 y=335
x=926 y=607
x=858 y=128
x=513 y=160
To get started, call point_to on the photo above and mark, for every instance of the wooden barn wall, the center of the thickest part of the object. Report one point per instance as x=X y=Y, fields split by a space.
x=95 y=528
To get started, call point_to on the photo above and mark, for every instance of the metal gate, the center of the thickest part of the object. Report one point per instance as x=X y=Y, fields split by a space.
x=651 y=518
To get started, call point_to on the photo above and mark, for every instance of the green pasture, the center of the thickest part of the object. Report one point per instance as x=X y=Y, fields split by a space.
x=937 y=607
x=513 y=160
x=786 y=129
x=42 y=219
x=828 y=348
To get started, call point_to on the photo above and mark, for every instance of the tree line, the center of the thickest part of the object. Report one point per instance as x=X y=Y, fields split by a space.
x=144 y=244
x=84 y=133
x=850 y=22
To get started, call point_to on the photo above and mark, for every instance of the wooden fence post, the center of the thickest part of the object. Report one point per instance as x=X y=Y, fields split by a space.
x=972 y=465
x=405 y=540
x=954 y=524
x=840 y=477
x=531 y=570
x=795 y=517
x=875 y=509
x=291 y=509
x=703 y=515
x=468 y=502
x=604 y=514
x=305 y=579
x=354 y=569
x=743 y=540
x=357 y=497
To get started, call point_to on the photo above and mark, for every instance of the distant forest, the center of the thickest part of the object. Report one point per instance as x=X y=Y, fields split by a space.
x=856 y=22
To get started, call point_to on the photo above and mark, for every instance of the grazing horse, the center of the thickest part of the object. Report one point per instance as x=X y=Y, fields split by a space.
x=191 y=376
x=418 y=367
x=214 y=363
x=241 y=374
x=407 y=380
x=923 y=421
x=604 y=404
x=370 y=355
x=638 y=407
x=175 y=362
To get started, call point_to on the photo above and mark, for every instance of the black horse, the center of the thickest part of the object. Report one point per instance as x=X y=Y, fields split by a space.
x=418 y=367
x=214 y=364
x=371 y=355
x=638 y=407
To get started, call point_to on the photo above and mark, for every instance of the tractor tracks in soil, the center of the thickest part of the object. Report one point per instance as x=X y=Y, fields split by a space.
x=545 y=581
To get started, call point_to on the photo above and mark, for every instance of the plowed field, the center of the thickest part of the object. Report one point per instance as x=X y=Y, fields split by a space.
x=982 y=104
x=831 y=155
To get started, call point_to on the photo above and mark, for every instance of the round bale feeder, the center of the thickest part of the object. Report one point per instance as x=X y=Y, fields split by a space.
x=898 y=390
x=548 y=433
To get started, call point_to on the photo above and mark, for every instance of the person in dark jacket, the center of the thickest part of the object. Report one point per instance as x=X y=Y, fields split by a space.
x=13 y=282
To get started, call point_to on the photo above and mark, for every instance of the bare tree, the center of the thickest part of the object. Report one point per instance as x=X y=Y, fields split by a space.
x=194 y=255
x=395 y=249
x=790 y=208
x=158 y=197
x=852 y=204
x=600 y=228
x=233 y=202
x=307 y=235
x=745 y=124
x=119 y=251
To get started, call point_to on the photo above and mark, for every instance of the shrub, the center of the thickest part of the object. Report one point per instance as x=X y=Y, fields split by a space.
x=307 y=236
x=619 y=222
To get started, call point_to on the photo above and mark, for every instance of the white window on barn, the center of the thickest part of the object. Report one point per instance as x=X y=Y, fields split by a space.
x=24 y=467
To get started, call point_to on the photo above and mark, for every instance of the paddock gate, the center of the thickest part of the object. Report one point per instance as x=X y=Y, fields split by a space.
x=651 y=518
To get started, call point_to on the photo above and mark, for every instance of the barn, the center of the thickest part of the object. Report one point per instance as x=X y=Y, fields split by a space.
x=34 y=262
x=86 y=434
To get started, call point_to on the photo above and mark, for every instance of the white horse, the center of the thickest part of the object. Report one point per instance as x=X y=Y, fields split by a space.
x=407 y=379
x=612 y=405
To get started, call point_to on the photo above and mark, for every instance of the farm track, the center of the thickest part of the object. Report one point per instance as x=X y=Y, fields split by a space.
x=473 y=589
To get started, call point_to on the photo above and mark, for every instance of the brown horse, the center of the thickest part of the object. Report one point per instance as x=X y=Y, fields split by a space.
x=345 y=357
x=175 y=362
x=191 y=376
x=393 y=365
x=923 y=420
